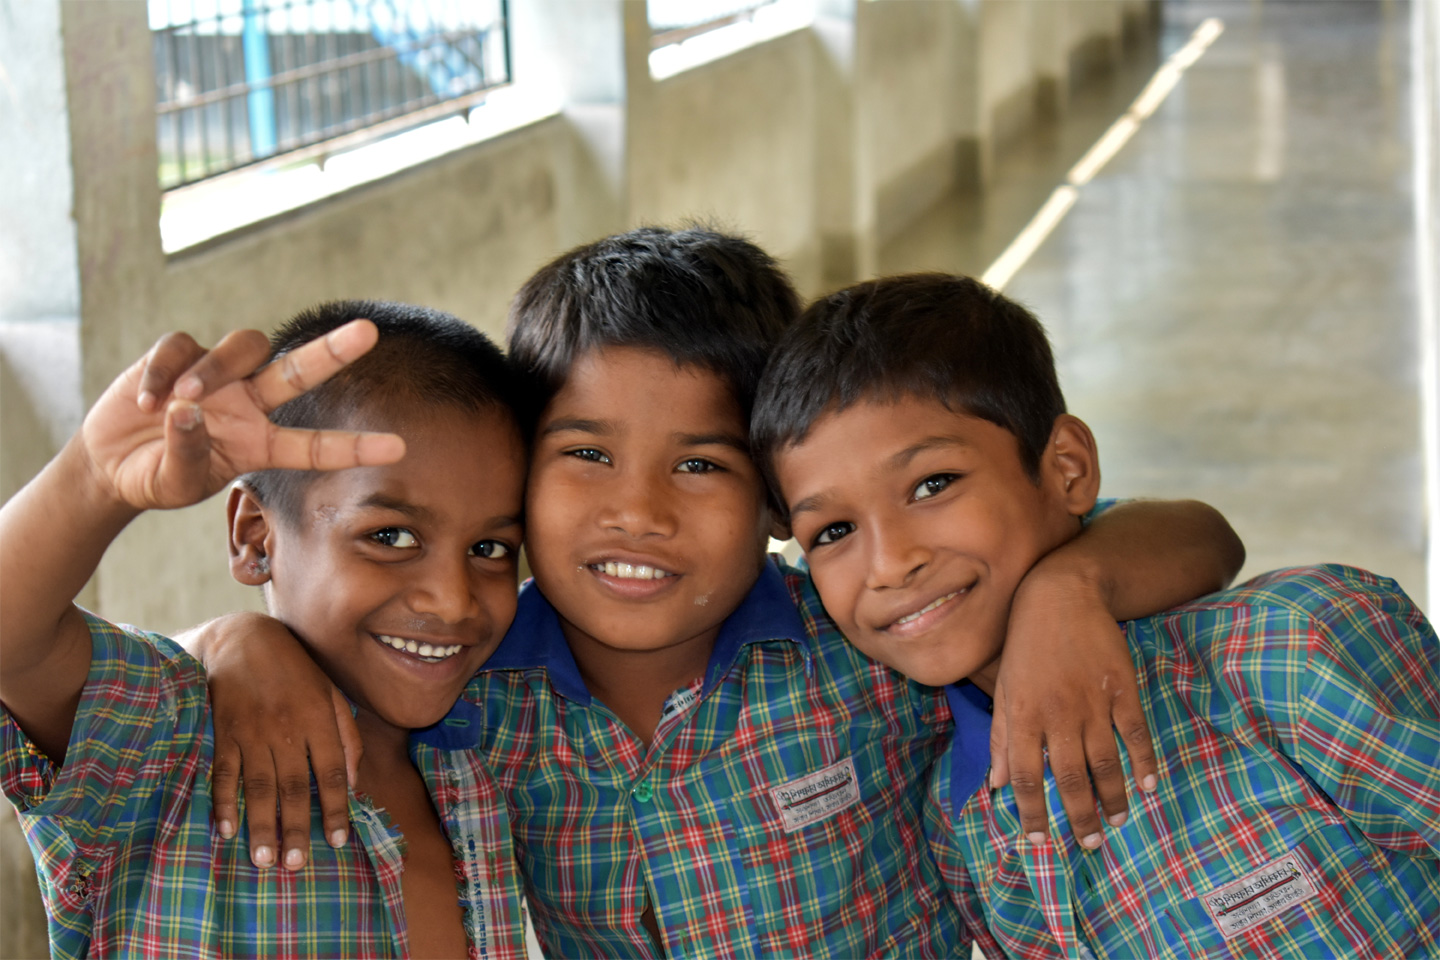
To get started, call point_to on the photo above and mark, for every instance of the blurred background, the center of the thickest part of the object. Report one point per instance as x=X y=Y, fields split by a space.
x=1224 y=212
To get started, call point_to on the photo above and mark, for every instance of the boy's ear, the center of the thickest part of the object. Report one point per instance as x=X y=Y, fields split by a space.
x=1073 y=462
x=249 y=540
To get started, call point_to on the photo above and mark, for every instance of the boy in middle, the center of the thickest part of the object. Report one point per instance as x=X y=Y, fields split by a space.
x=696 y=762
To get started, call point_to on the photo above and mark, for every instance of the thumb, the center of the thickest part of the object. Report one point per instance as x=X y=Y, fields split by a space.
x=350 y=741
x=184 y=467
x=999 y=741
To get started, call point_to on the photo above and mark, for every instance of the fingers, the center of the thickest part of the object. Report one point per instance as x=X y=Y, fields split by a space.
x=332 y=449
x=1027 y=781
x=260 y=805
x=1102 y=757
x=225 y=786
x=332 y=776
x=235 y=357
x=313 y=363
x=292 y=767
x=1067 y=761
x=1129 y=719
x=171 y=356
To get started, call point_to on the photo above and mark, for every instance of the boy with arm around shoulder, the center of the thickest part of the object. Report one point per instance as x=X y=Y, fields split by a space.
x=106 y=731
x=915 y=429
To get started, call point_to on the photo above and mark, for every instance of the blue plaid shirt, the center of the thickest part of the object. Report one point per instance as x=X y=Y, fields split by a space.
x=1298 y=717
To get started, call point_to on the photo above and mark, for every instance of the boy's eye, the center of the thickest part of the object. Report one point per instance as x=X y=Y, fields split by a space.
x=490 y=550
x=832 y=533
x=932 y=485
x=697 y=465
x=397 y=537
x=588 y=453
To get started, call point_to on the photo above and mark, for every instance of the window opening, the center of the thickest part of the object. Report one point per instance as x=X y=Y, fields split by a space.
x=241 y=83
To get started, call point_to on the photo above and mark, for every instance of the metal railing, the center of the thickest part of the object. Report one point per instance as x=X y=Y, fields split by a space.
x=241 y=82
x=674 y=21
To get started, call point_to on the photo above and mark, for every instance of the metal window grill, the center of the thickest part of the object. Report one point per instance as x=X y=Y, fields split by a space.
x=241 y=82
x=673 y=21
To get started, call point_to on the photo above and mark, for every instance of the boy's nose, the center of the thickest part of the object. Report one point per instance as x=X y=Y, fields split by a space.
x=640 y=507
x=894 y=560
x=446 y=590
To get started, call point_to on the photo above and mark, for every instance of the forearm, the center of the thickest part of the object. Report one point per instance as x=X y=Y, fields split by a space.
x=56 y=530
x=1142 y=557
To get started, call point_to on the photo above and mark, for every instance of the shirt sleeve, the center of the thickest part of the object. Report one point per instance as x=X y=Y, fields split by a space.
x=1368 y=724
x=140 y=724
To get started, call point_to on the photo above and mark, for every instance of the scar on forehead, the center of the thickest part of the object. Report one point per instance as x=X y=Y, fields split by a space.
x=328 y=512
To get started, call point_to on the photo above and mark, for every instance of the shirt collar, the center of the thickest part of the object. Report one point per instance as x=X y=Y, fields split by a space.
x=458 y=730
x=534 y=640
x=970 y=743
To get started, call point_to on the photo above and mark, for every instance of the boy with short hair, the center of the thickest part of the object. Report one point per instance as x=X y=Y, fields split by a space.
x=398 y=575
x=696 y=763
x=915 y=429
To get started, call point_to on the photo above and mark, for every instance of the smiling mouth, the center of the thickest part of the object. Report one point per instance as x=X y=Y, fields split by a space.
x=430 y=653
x=630 y=571
x=933 y=605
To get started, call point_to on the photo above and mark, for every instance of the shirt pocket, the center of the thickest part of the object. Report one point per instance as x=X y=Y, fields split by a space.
x=1337 y=905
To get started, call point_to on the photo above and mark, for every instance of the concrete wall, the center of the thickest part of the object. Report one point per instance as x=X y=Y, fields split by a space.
x=818 y=144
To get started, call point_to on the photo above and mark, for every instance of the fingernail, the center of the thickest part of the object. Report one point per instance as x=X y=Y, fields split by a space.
x=262 y=856
x=1118 y=820
x=145 y=401
x=1036 y=838
x=337 y=838
x=294 y=859
x=227 y=829
x=1148 y=784
x=189 y=416
x=189 y=387
x=1092 y=842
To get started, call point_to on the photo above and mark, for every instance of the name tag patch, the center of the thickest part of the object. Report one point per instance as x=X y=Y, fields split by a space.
x=1260 y=895
x=818 y=795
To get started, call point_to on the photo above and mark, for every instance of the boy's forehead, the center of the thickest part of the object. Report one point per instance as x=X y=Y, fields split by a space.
x=615 y=371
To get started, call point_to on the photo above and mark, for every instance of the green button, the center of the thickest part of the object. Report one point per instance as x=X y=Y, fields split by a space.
x=643 y=791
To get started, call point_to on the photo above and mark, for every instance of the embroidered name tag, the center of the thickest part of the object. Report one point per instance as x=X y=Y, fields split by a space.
x=812 y=798
x=1258 y=896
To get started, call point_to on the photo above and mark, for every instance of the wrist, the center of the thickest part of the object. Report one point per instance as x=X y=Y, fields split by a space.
x=1068 y=575
x=90 y=496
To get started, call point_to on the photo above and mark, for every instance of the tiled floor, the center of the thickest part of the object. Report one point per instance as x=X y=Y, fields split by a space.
x=1233 y=298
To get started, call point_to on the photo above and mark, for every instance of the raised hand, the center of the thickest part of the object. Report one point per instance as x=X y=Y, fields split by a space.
x=182 y=422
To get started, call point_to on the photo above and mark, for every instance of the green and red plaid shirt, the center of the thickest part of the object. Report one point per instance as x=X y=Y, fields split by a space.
x=1298 y=719
x=130 y=864
x=777 y=811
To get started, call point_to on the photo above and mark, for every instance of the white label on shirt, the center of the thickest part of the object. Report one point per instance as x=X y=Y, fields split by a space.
x=814 y=797
x=1260 y=895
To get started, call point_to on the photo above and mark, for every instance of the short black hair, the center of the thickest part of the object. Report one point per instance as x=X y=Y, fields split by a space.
x=424 y=358
x=932 y=335
x=705 y=298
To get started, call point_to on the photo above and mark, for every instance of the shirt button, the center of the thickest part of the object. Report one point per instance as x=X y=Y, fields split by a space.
x=642 y=791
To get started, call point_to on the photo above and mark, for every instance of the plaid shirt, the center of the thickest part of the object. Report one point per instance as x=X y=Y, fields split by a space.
x=1299 y=814
x=130 y=865
x=777 y=811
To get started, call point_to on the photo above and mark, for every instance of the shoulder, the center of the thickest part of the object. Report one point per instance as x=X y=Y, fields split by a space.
x=1302 y=623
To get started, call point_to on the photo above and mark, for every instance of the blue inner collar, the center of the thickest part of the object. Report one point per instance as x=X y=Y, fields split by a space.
x=535 y=640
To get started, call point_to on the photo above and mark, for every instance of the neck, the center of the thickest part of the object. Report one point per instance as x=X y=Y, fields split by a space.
x=636 y=683
x=984 y=678
x=386 y=746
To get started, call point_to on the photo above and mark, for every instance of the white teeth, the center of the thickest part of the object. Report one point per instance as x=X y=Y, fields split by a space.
x=919 y=613
x=425 y=651
x=631 y=571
